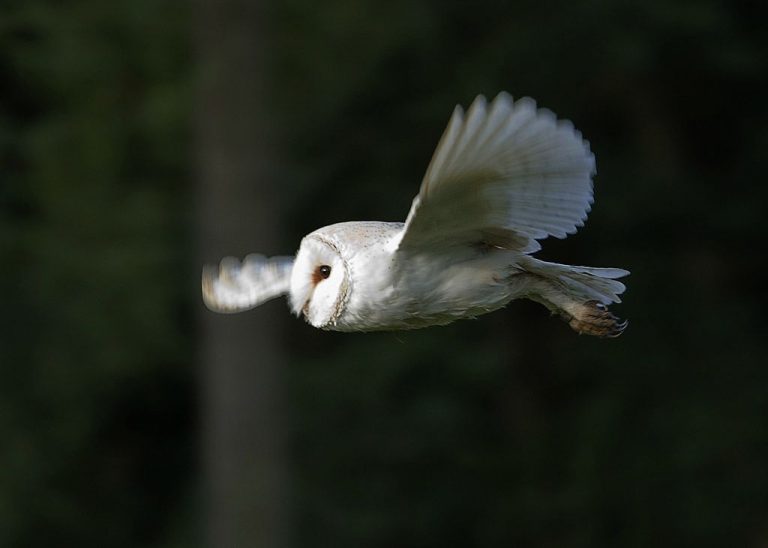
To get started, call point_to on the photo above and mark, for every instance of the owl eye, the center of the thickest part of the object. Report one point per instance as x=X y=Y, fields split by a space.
x=321 y=273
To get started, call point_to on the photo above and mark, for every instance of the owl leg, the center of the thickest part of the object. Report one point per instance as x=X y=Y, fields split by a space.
x=593 y=318
x=586 y=317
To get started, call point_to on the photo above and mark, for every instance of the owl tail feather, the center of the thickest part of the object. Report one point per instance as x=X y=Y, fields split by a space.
x=580 y=295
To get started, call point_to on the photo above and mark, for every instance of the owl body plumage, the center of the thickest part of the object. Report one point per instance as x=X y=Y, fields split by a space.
x=391 y=291
x=502 y=177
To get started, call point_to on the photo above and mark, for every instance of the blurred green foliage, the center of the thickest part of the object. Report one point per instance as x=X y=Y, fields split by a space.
x=508 y=430
x=96 y=382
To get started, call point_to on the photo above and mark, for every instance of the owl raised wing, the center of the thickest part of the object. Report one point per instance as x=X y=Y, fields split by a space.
x=235 y=286
x=505 y=174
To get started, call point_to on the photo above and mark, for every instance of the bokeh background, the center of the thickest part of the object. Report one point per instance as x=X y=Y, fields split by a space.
x=140 y=138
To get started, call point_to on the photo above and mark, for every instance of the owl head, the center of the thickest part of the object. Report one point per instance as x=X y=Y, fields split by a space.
x=320 y=281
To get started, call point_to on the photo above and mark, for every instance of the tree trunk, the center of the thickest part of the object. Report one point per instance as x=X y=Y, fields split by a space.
x=243 y=453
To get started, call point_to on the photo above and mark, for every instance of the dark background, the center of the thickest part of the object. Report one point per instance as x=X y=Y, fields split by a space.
x=510 y=430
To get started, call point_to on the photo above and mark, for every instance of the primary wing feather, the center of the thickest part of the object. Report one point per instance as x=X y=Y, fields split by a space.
x=234 y=286
x=507 y=173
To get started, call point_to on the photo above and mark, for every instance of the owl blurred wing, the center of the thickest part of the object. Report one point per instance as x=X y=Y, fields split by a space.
x=505 y=174
x=235 y=286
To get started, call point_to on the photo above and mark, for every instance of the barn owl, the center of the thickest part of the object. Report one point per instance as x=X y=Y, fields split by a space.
x=504 y=175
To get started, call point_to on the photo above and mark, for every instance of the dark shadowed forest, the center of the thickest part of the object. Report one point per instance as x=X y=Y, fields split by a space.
x=140 y=139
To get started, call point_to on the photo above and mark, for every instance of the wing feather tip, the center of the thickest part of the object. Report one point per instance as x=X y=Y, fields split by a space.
x=208 y=287
x=235 y=286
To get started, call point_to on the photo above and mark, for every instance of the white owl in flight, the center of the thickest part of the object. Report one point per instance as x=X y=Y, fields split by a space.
x=503 y=176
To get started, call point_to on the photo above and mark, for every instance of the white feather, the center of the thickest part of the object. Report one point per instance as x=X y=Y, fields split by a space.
x=236 y=286
x=508 y=166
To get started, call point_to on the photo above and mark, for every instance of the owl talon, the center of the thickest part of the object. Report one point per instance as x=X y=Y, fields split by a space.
x=593 y=318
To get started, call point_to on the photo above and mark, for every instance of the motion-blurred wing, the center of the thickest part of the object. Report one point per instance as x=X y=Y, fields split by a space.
x=236 y=286
x=506 y=174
